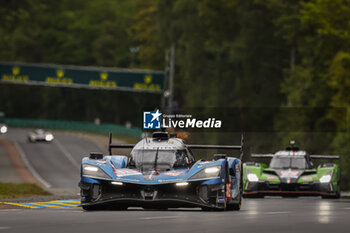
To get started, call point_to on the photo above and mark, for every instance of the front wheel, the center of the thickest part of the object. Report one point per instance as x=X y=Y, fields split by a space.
x=236 y=206
x=336 y=196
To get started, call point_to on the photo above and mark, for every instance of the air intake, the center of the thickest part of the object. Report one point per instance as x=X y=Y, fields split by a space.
x=160 y=135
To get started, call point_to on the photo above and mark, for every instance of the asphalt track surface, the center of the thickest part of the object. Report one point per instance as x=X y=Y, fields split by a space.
x=257 y=215
x=57 y=164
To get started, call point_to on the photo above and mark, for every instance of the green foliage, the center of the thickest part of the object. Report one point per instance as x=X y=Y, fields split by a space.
x=229 y=53
x=9 y=190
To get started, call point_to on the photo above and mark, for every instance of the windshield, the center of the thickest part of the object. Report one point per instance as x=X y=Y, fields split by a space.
x=159 y=159
x=285 y=163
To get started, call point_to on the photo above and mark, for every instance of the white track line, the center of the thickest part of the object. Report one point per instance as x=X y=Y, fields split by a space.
x=30 y=167
x=67 y=154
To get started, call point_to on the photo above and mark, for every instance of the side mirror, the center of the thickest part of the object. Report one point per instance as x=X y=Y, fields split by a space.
x=96 y=155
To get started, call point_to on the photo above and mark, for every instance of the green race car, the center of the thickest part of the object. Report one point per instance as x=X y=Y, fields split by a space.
x=291 y=173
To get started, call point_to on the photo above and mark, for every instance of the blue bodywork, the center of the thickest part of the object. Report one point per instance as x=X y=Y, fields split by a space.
x=117 y=183
x=124 y=174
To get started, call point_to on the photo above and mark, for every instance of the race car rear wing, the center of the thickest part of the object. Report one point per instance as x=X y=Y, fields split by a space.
x=110 y=145
x=226 y=147
x=324 y=156
x=311 y=156
x=261 y=155
x=223 y=147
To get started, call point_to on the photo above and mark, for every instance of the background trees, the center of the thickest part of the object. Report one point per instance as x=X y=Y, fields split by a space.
x=229 y=53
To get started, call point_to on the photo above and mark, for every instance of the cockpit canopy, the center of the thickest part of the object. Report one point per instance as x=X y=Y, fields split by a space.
x=286 y=162
x=160 y=159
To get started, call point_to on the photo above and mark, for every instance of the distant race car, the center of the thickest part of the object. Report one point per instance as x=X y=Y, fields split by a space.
x=3 y=128
x=161 y=173
x=291 y=173
x=40 y=135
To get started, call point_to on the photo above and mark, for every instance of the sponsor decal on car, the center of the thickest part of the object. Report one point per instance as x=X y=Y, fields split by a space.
x=307 y=178
x=289 y=174
x=125 y=179
x=172 y=180
x=173 y=173
x=126 y=172
x=203 y=164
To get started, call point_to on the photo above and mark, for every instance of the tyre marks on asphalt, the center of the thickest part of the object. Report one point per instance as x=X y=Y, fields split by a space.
x=55 y=165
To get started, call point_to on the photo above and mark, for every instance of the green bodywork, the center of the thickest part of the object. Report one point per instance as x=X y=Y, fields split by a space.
x=309 y=175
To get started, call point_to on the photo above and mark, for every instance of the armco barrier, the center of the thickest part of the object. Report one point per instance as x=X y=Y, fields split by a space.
x=117 y=130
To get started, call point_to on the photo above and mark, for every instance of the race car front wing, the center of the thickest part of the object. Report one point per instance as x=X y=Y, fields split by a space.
x=171 y=195
x=268 y=188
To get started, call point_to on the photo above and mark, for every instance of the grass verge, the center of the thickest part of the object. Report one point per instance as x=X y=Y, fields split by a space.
x=10 y=190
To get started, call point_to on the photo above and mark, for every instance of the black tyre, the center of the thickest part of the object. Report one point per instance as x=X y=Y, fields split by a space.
x=336 y=196
x=237 y=206
x=231 y=207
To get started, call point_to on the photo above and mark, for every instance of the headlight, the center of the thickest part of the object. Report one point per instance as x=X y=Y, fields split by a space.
x=326 y=178
x=182 y=184
x=3 y=129
x=212 y=170
x=117 y=183
x=207 y=173
x=93 y=171
x=49 y=137
x=252 y=177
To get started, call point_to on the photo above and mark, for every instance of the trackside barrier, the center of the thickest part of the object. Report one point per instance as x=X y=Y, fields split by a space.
x=105 y=129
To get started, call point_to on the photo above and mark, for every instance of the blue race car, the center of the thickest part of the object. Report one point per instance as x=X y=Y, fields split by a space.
x=161 y=173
